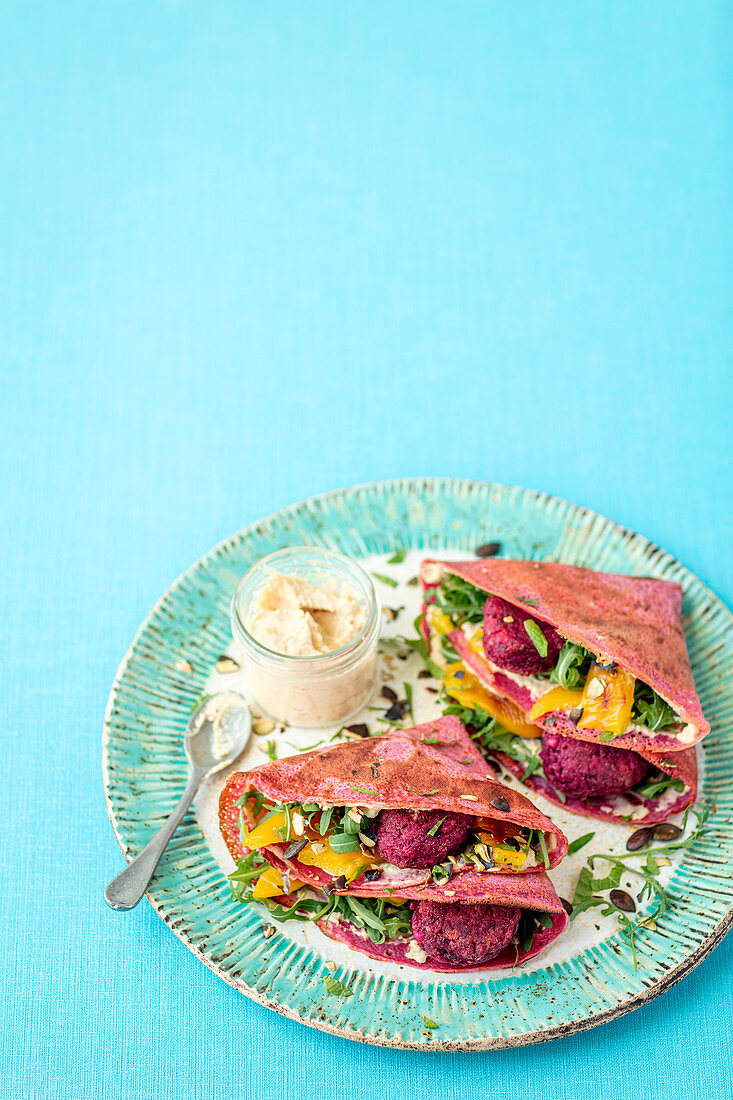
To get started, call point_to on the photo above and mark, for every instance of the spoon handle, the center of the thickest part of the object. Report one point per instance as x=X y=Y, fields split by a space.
x=127 y=888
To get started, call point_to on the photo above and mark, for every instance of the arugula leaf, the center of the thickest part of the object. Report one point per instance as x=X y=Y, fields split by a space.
x=656 y=788
x=386 y=580
x=650 y=709
x=573 y=665
x=589 y=886
x=336 y=988
x=539 y=641
x=398 y=557
x=580 y=842
x=344 y=842
x=460 y=601
x=490 y=736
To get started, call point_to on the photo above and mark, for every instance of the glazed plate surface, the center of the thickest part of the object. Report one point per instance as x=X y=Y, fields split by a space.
x=587 y=976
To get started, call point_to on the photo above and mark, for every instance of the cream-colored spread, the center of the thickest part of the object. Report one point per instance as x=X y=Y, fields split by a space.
x=300 y=619
x=315 y=623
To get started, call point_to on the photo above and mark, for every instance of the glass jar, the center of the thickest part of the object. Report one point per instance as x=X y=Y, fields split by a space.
x=321 y=690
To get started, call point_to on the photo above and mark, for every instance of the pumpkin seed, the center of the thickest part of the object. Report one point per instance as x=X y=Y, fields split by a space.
x=226 y=664
x=639 y=839
x=667 y=831
x=360 y=729
x=623 y=901
x=500 y=804
x=295 y=847
x=488 y=550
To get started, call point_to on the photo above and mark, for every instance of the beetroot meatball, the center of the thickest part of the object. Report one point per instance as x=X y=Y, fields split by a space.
x=584 y=769
x=507 y=643
x=464 y=932
x=403 y=836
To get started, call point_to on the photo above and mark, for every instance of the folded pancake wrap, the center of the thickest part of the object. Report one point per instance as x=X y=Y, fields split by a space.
x=434 y=766
x=426 y=767
x=617 y=807
x=636 y=622
x=633 y=621
x=528 y=892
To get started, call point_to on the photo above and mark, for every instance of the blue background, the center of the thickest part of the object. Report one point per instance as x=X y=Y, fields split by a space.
x=251 y=252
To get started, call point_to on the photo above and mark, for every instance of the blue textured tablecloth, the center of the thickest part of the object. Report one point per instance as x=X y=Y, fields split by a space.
x=250 y=252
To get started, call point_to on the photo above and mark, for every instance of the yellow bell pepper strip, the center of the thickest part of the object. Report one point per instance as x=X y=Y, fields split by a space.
x=608 y=697
x=265 y=833
x=270 y=884
x=558 y=698
x=466 y=689
x=439 y=621
x=503 y=857
x=606 y=700
x=348 y=864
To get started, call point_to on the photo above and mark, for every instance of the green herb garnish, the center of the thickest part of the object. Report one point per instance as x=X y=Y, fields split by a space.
x=363 y=790
x=398 y=557
x=658 y=787
x=539 y=641
x=386 y=580
x=460 y=601
x=436 y=827
x=650 y=709
x=573 y=665
x=529 y=602
x=271 y=750
x=421 y=646
x=408 y=700
x=429 y=1023
x=590 y=886
x=336 y=988
x=341 y=843
x=490 y=736
x=579 y=842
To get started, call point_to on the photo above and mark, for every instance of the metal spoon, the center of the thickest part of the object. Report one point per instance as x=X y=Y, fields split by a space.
x=217 y=732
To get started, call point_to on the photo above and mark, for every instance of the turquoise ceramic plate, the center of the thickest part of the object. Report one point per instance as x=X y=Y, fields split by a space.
x=144 y=770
